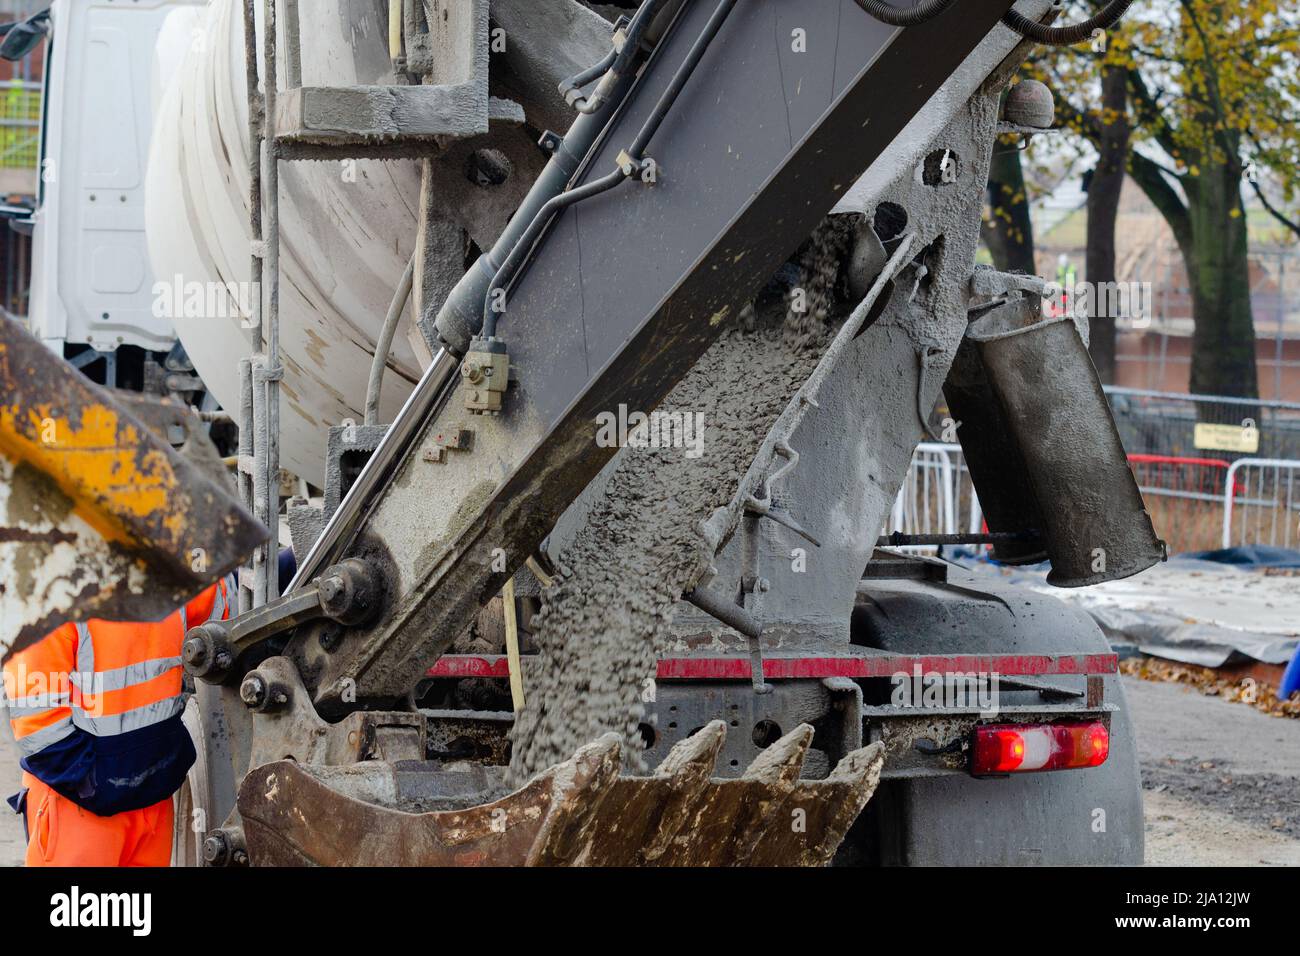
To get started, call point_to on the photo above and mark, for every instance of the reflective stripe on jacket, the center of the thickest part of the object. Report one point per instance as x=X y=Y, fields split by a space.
x=104 y=678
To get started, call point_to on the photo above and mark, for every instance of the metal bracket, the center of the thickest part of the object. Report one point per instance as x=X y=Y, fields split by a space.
x=760 y=503
x=735 y=616
x=347 y=592
x=485 y=372
x=454 y=439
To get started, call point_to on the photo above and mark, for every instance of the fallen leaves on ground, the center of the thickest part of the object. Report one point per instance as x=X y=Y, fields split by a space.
x=1213 y=684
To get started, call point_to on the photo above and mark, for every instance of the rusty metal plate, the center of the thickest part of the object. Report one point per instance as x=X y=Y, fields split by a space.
x=580 y=813
x=98 y=515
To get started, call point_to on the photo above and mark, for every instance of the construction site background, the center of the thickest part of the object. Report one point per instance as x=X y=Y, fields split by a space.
x=1155 y=353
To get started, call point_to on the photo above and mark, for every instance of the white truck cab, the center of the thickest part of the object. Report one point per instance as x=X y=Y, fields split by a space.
x=92 y=283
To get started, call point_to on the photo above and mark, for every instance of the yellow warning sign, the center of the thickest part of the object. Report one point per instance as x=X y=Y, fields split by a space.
x=1243 y=439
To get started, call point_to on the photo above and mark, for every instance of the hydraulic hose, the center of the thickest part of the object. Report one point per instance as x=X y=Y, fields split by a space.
x=574 y=83
x=927 y=10
x=1067 y=35
x=385 y=342
x=684 y=72
x=1030 y=29
x=636 y=32
x=613 y=67
x=635 y=154
x=534 y=231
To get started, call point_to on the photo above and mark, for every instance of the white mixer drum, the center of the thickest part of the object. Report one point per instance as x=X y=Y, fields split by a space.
x=347 y=229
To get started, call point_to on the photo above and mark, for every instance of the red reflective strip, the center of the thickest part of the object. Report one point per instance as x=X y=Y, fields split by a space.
x=470 y=665
x=790 y=668
x=778 y=668
x=1175 y=460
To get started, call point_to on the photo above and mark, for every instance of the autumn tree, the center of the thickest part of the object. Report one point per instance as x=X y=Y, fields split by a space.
x=1007 y=230
x=1105 y=187
x=1211 y=92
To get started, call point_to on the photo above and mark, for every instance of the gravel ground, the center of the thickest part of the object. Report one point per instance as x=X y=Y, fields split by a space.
x=1260 y=799
x=1182 y=833
x=1221 y=781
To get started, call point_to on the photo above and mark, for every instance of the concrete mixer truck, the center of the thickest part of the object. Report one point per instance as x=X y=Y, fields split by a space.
x=606 y=333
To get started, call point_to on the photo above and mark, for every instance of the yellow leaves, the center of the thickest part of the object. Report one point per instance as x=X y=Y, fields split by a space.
x=1109 y=117
x=1212 y=683
x=1223 y=82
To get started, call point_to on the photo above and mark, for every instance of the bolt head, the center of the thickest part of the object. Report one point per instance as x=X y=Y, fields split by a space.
x=330 y=587
x=195 y=650
x=253 y=691
x=215 y=848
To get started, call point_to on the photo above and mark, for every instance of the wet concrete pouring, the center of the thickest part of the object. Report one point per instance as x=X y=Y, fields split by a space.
x=642 y=545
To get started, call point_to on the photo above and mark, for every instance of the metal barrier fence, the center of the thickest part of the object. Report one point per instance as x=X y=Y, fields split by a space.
x=1199 y=498
x=1165 y=423
x=20 y=124
x=1261 y=503
x=1196 y=504
x=937 y=496
x=1184 y=497
x=1192 y=487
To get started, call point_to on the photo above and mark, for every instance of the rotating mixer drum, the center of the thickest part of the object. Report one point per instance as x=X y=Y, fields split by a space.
x=347 y=227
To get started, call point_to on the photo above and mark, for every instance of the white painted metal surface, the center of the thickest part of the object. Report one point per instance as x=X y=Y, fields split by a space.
x=348 y=230
x=91 y=279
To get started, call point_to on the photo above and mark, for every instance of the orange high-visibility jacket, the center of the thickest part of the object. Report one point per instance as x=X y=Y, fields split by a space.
x=95 y=706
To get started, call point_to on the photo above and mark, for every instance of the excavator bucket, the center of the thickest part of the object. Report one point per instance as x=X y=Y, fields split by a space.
x=100 y=514
x=582 y=812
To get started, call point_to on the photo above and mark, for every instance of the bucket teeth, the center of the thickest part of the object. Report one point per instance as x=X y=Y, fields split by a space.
x=856 y=766
x=697 y=754
x=781 y=763
x=578 y=786
x=827 y=806
x=582 y=812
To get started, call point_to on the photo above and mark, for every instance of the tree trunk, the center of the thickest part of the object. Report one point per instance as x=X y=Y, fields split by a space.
x=1008 y=232
x=1103 y=208
x=1223 y=344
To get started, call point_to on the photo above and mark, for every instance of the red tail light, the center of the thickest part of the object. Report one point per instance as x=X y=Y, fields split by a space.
x=1026 y=748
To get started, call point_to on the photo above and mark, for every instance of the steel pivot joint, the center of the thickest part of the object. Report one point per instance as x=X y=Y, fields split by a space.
x=348 y=592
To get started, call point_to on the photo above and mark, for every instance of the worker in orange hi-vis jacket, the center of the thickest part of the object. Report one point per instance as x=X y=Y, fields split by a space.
x=96 y=709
